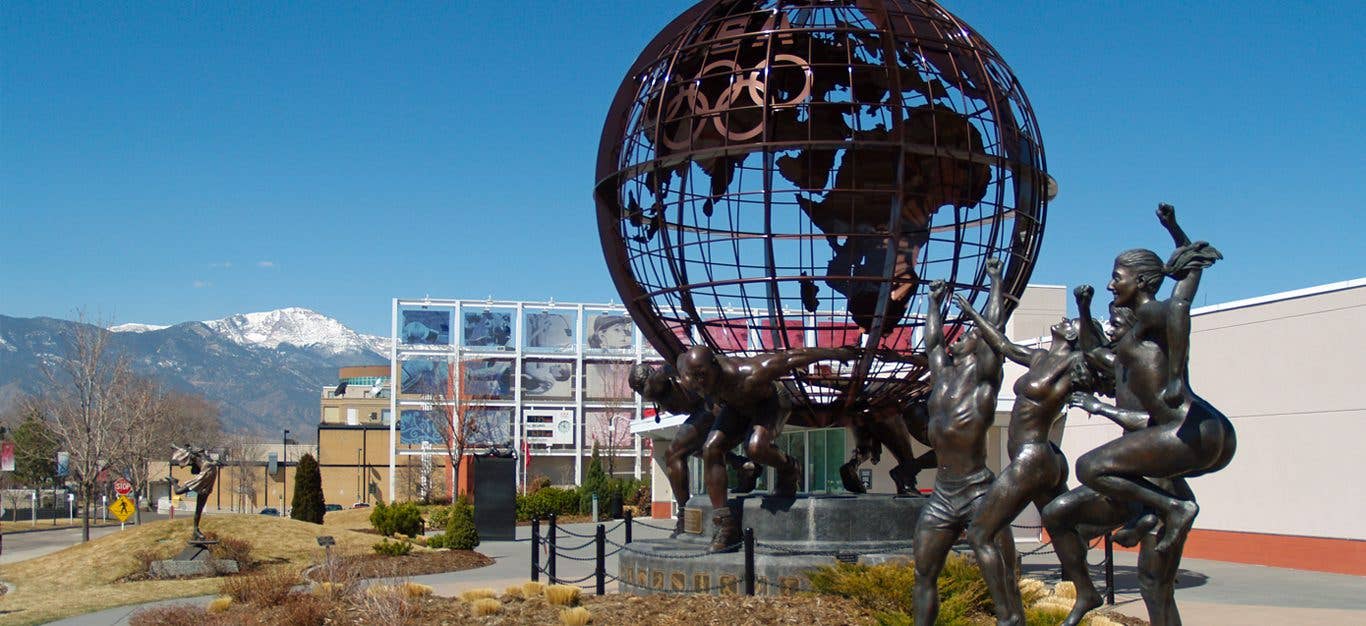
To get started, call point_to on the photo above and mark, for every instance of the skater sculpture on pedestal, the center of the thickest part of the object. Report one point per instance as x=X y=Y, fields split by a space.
x=204 y=468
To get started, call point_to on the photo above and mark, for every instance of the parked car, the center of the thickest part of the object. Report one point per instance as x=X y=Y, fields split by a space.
x=360 y=505
x=332 y=507
x=270 y=510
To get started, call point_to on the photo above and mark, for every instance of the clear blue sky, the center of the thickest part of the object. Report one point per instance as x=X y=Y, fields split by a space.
x=171 y=162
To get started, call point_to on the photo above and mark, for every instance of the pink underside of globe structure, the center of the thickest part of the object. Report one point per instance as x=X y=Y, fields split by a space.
x=777 y=174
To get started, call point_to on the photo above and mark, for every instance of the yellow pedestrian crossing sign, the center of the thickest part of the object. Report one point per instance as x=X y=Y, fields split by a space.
x=122 y=508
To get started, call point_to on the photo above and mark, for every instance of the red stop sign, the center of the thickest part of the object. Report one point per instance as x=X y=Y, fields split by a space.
x=123 y=487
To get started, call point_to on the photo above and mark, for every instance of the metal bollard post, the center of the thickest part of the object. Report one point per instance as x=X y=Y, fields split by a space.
x=1109 y=569
x=601 y=572
x=550 y=561
x=630 y=520
x=749 y=561
x=535 y=549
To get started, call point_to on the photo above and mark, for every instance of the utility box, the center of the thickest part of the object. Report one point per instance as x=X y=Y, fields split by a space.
x=495 y=498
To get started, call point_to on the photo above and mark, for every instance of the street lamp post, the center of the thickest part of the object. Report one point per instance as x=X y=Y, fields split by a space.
x=358 y=473
x=284 y=469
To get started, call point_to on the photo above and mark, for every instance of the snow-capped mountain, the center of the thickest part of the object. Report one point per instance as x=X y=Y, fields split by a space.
x=134 y=327
x=297 y=326
x=264 y=370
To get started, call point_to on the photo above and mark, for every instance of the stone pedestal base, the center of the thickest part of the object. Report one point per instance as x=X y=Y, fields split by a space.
x=792 y=535
x=193 y=562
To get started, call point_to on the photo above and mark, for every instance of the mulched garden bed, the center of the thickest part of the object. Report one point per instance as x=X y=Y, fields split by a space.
x=660 y=610
x=414 y=564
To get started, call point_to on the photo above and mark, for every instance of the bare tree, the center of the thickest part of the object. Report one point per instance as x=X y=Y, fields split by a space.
x=156 y=418
x=461 y=421
x=242 y=454
x=610 y=428
x=81 y=404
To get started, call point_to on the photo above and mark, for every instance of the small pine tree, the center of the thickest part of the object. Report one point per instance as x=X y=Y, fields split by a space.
x=308 y=491
x=461 y=533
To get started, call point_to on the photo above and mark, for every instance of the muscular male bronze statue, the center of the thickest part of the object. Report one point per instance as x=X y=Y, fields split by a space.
x=965 y=380
x=660 y=386
x=745 y=394
x=204 y=466
x=1037 y=471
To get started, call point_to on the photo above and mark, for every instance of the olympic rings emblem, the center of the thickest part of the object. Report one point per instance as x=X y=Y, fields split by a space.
x=690 y=100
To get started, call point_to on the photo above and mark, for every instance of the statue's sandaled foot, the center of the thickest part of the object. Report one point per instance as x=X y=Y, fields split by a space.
x=748 y=477
x=1135 y=529
x=678 y=524
x=787 y=478
x=725 y=535
x=849 y=476
x=1177 y=524
x=1086 y=602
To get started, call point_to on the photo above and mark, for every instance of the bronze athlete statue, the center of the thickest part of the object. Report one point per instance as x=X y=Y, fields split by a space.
x=746 y=396
x=660 y=386
x=965 y=380
x=1037 y=471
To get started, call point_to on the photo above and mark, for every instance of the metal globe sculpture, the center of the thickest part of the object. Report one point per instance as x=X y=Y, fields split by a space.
x=784 y=173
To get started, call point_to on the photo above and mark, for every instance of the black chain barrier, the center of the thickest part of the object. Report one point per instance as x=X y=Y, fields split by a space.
x=600 y=542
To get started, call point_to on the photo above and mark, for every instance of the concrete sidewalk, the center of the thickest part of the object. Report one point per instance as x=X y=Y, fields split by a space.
x=1208 y=592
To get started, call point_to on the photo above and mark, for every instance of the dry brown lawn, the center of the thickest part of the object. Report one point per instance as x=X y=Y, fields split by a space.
x=355 y=519
x=93 y=576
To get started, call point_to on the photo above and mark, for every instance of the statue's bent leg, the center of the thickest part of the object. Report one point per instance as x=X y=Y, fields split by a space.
x=687 y=441
x=1116 y=469
x=932 y=546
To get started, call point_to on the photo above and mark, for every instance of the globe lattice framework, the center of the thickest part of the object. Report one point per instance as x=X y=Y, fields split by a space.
x=777 y=173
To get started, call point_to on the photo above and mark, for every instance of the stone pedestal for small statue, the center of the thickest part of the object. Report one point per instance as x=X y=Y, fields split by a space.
x=195 y=561
x=792 y=535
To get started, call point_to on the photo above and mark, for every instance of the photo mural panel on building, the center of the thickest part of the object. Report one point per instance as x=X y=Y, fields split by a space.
x=547 y=380
x=607 y=381
x=549 y=332
x=425 y=377
x=418 y=426
x=489 y=379
x=491 y=428
x=609 y=332
x=487 y=329
x=425 y=327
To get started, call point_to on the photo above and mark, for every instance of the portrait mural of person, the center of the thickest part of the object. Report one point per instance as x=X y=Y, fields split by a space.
x=425 y=377
x=611 y=331
x=425 y=327
x=607 y=381
x=491 y=329
x=488 y=378
x=548 y=379
x=416 y=426
x=550 y=331
x=492 y=427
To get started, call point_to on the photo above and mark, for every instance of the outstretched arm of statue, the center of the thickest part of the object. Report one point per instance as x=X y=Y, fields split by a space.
x=1186 y=266
x=1166 y=214
x=1128 y=420
x=934 y=326
x=995 y=338
x=781 y=363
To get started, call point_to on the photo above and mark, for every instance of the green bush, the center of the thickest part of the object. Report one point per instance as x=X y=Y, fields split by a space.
x=393 y=548
x=437 y=541
x=546 y=501
x=403 y=518
x=461 y=534
x=887 y=590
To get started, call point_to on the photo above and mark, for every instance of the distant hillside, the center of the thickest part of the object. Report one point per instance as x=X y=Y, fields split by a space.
x=265 y=370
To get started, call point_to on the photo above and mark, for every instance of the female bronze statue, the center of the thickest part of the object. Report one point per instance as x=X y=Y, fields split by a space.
x=1185 y=436
x=1037 y=470
x=204 y=470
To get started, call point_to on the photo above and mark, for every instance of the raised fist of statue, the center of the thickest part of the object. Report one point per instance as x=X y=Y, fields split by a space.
x=994 y=267
x=1083 y=294
x=937 y=290
x=962 y=302
x=1166 y=214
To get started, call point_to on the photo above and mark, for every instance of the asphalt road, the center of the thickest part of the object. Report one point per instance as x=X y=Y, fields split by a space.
x=26 y=544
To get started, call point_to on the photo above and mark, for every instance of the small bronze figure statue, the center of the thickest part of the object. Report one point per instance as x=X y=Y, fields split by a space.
x=661 y=387
x=204 y=467
x=746 y=396
x=965 y=380
x=1037 y=471
x=894 y=427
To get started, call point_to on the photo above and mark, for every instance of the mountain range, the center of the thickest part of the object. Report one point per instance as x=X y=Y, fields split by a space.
x=266 y=371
